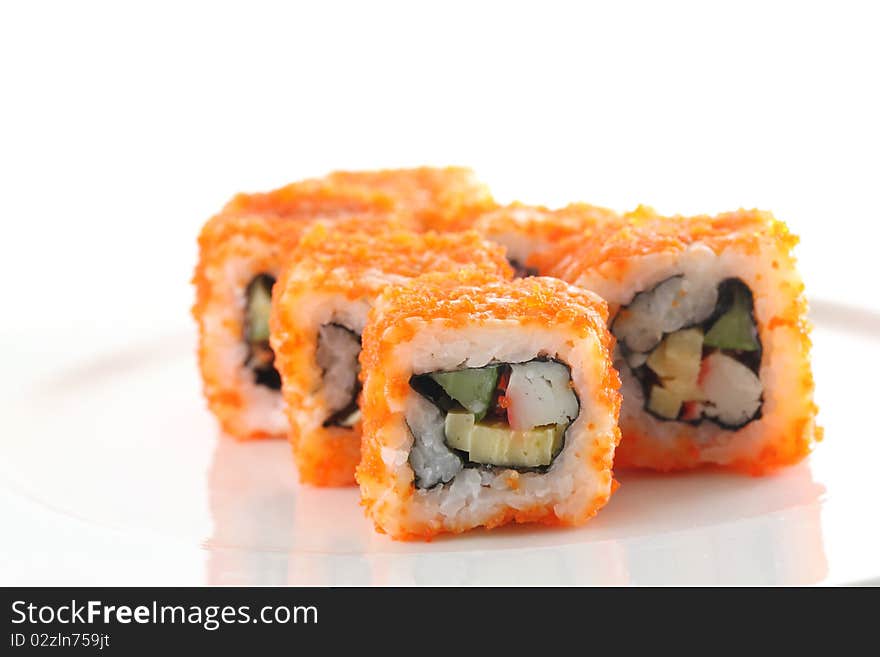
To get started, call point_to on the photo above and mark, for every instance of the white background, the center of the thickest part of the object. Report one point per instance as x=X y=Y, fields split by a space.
x=123 y=127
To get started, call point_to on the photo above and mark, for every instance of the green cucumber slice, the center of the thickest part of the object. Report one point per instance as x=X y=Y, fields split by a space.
x=259 y=307
x=472 y=388
x=735 y=329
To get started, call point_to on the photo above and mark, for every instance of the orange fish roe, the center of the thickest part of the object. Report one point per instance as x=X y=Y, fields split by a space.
x=360 y=264
x=527 y=230
x=627 y=257
x=643 y=232
x=462 y=301
x=441 y=199
x=466 y=297
x=336 y=274
x=255 y=234
x=437 y=198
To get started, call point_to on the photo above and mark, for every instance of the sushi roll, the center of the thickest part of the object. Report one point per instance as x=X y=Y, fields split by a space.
x=444 y=199
x=486 y=403
x=320 y=308
x=438 y=198
x=241 y=252
x=713 y=342
x=526 y=231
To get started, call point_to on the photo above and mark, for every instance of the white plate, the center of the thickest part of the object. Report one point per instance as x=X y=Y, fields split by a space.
x=113 y=473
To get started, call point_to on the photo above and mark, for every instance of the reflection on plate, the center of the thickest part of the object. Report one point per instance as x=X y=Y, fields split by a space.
x=124 y=444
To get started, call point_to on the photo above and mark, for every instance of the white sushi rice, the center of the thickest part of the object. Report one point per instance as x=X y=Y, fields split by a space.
x=431 y=460
x=263 y=410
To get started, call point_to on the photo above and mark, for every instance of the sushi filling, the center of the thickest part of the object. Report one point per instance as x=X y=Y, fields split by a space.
x=521 y=270
x=504 y=415
x=337 y=356
x=260 y=357
x=695 y=350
